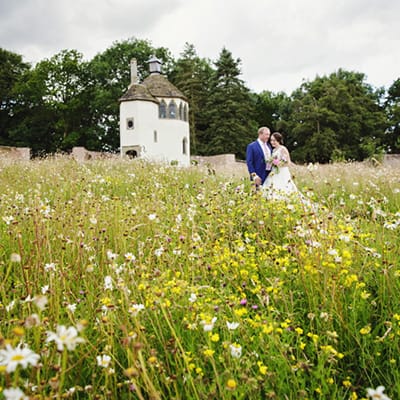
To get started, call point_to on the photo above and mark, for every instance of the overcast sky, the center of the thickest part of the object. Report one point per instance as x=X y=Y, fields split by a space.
x=280 y=42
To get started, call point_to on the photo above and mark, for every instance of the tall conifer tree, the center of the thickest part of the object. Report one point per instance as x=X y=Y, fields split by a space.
x=392 y=137
x=191 y=74
x=230 y=110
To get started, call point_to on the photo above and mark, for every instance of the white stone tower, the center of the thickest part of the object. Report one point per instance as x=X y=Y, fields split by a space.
x=154 y=118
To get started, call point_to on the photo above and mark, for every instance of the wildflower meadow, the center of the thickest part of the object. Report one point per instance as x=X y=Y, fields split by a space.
x=122 y=279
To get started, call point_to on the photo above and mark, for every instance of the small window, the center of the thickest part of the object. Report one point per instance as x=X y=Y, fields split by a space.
x=130 y=124
x=155 y=137
x=184 y=145
x=181 y=112
x=185 y=113
x=162 y=110
x=172 y=110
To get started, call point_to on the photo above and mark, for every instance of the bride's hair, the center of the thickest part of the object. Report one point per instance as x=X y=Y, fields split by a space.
x=278 y=137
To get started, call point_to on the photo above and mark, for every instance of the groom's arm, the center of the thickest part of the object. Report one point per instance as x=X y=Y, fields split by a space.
x=250 y=164
x=250 y=159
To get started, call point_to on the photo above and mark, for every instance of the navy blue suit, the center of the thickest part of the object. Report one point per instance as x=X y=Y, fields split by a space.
x=255 y=160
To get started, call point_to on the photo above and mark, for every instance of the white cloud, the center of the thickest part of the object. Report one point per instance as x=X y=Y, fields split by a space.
x=280 y=42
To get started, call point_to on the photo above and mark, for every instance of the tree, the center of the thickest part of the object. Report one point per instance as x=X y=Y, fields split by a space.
x=36 y=119
x=336 y=115
x=110 y=74
x=66 y=90
x=52 y=104
x=49 y=103
x=392 y=138
x=270 y=108
x=12 y=71
x=191 y=74
x=230 y=110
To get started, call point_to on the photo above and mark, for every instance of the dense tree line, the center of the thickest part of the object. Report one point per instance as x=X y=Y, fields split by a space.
x=66 y=101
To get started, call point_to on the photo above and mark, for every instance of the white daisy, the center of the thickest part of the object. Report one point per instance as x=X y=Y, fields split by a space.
x=134 y=309
x=71 y=307
x=130 y=257
x=236 y=350
x=108 y=285
x=103 y=361
x=67 y=337
x=14 y=394
x=208 y=325
x=232 y=325
x=192 y=298
x=111 y=256
x=50 y=267
x=21 y=355
x=377 y=394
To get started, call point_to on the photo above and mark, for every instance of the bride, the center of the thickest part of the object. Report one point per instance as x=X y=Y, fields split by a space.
x=279 y=182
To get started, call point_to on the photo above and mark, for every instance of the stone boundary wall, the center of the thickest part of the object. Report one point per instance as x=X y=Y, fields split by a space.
x=223 y=164
x=391 y=160
x=80 y=154
x=15 y=153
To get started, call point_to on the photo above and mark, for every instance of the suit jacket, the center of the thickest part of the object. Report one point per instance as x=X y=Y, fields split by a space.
x=255 y=160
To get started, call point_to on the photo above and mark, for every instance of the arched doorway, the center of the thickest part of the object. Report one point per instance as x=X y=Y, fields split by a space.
x=131 y=154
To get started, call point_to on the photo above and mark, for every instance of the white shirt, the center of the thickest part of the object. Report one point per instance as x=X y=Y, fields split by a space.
x=266 y=149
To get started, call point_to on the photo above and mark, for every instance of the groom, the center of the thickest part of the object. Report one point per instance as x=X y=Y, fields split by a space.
x=256 y=154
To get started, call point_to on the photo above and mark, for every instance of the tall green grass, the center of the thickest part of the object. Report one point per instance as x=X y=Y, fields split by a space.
x=152 y=265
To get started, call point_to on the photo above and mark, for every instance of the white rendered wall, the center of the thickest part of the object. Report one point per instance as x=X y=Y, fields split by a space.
x=170 y=132
x=145 y=115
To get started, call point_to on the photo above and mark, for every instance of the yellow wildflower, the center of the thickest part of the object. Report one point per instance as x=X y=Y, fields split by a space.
x=313 y=336
x=346 y=383
x=214 y=337
x=268 y=329
x=18 y=331
x=262 y=368
x=208 y=352
x=364 y=295
x=365 y=330
x=231 y=384
x=240 y=312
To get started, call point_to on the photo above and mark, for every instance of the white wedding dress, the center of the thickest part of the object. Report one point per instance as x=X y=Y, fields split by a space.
x=279 y=183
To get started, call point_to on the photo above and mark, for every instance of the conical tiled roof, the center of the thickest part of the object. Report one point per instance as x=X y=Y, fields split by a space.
x=159 y=86
x=138 y=91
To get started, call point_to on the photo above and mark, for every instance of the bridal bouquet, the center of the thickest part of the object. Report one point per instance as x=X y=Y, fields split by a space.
x=275 y=162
